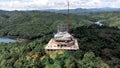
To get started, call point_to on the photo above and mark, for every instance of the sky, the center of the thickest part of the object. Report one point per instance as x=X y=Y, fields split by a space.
x=56 y=4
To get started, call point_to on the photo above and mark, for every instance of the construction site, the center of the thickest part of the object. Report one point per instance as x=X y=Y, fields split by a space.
x=63 y=40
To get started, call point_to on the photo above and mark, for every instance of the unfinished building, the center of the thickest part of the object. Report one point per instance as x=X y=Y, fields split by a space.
x=63 y=40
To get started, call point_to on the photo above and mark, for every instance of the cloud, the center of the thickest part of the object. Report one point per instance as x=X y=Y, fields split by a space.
x=56 y=4
x=23 y=5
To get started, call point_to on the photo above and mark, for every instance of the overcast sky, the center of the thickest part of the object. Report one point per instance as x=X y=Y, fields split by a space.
x=56 y=4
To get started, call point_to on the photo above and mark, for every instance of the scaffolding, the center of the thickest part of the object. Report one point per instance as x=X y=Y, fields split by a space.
x=62 y=27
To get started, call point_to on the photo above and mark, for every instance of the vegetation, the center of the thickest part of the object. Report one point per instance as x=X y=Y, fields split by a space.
x=32 y=25
x=99 y=45
x=108 y=18
x=104 y=41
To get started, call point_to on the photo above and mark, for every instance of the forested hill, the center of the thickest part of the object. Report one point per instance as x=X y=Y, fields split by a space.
x=35 y=24
x=99 y=45
x=24 y=23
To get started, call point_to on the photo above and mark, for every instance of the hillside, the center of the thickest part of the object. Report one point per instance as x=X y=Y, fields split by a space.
x=104 y=41
x=99 y=45
x=23 y=24
x=109 y=18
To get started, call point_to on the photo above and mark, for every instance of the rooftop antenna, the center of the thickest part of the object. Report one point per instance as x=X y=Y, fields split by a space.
x=68 y=18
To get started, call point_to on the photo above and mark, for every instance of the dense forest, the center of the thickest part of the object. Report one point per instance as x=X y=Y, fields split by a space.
x=99 y=45
x=33 y=24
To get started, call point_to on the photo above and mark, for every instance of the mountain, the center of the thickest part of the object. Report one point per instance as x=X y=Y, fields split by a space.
x=81 y=10
x=74 y=11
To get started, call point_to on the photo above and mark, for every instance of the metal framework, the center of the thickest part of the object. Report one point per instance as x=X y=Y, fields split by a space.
x=62 y=27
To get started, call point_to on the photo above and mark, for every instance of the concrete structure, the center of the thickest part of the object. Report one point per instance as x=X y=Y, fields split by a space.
x=62 y=41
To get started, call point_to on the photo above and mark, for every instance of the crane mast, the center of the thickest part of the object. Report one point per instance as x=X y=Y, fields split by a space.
x=68 y=18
